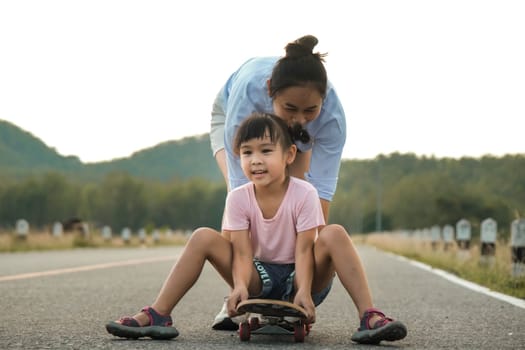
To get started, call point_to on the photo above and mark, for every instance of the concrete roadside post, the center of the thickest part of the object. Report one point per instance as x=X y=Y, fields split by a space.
x=126 y=235
x=58 y=229
x=22 y=229
x=435 y=234
x=85 y=231
x=106 y=233
x=463 y=237
x=448 y=237
x=142 y=236
x=426 y=236
x=155 y=236
x=488 y=235
x=517 y=246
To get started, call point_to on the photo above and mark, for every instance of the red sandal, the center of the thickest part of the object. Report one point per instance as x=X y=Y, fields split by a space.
x=159 y=327
x=383 y=329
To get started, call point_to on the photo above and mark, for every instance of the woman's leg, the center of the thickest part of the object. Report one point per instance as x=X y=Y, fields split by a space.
x=204 y=245
x=220 y=157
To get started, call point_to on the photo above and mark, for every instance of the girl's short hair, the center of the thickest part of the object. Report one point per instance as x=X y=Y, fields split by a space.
x=299 y=67
x=259 y=125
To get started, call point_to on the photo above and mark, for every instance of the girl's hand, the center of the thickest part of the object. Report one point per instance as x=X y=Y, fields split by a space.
x=305 y=301
x=236 y=296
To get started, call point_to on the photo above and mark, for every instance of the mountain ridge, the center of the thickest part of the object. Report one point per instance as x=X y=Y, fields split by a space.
x=23 y=154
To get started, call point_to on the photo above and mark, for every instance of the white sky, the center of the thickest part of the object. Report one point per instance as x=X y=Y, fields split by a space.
x=103 y=79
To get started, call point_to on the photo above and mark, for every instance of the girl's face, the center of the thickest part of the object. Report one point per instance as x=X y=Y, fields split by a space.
x=263 y=162
x=298 y=104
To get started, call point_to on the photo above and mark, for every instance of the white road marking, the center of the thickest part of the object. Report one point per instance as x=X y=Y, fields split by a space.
x=464 y=283
x=85 y=268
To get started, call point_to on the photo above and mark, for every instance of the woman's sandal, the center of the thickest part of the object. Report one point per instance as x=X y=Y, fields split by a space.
x=383 y=329
x=160 y=326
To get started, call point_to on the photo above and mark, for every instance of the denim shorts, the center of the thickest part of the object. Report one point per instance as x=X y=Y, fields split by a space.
x=278 y=282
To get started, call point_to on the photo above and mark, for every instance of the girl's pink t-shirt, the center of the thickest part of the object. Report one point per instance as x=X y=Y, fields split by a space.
x=273 y=240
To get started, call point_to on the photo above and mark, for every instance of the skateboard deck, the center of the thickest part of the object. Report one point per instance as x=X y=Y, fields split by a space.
x=278 y=317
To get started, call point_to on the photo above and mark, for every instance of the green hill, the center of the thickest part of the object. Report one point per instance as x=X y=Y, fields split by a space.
x=186 y=158
x=23 y=154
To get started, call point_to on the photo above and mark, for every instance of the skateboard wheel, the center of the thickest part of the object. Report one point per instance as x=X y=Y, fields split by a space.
x=299 y=332
x=254 y=323
x=244 y=331
x=308 y=328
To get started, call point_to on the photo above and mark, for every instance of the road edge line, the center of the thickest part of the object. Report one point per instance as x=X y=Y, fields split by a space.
x=462 y=282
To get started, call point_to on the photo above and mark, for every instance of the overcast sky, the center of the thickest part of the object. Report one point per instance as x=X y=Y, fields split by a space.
x=103 y=79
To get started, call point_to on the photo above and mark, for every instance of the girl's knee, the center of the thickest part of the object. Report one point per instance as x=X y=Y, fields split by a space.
x=333 y=230
x=333 y=233
x=204 y=234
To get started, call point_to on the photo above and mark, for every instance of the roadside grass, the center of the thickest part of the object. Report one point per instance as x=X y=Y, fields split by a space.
x=10 y=242
x=494 y=273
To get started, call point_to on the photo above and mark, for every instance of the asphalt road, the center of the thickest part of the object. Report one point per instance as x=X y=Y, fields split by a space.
x=61 y=300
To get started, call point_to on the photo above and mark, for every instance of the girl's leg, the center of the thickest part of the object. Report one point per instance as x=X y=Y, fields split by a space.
x=335 y=252
x=204 y=244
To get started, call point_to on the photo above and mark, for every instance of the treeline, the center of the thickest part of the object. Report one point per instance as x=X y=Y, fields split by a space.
x=413 y=192
x=119 y=201
x=402 y=190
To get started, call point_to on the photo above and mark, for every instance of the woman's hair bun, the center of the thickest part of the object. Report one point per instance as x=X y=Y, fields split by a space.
x=308 y=41
x=302 y=46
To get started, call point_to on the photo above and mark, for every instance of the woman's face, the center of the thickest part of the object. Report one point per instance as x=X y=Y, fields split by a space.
x=298 y=104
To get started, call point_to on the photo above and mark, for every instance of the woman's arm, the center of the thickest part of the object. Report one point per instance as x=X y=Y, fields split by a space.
x=325 y=206
x=300 y=165
x=299 y=168
x=220 y=157
x=304 y=270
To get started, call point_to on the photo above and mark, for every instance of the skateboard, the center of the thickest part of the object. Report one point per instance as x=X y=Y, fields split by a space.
x=278 y=317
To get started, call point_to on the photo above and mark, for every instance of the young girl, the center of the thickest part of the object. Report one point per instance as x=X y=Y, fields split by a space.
x=273 y=223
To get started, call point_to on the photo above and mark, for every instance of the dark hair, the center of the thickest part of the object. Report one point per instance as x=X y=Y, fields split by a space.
x=258 y=125
x=299 y=67
x=298 y=133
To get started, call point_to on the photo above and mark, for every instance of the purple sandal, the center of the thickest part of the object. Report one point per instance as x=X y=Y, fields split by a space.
x=383 y=329
x=160 y=326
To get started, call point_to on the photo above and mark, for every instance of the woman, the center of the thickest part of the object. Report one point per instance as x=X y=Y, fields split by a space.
x=295 y=88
